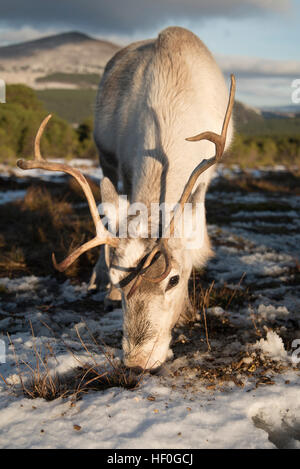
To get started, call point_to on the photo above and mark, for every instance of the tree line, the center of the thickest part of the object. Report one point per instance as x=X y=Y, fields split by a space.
x=257 y=143
x=20 y=118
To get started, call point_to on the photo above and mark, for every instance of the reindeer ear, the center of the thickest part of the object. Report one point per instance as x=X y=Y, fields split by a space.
x=108 y=192
x=109 y=205
x=113 y=206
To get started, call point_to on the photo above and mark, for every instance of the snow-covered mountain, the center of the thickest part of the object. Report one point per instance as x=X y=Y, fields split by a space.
x=68 y=53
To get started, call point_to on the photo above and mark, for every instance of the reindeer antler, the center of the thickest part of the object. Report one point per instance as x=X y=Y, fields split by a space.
x=102 y=234
x=160 y=248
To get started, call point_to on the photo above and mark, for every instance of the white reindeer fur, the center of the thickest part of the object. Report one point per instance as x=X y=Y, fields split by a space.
x=153 y=95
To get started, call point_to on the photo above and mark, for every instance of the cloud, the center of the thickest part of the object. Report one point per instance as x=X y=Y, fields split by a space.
x=267 y=91
x=250 y=67
x=26 y=33
x=126 y=16
x=262 y=82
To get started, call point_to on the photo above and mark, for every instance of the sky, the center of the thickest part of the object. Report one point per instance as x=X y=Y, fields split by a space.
x=258 y=40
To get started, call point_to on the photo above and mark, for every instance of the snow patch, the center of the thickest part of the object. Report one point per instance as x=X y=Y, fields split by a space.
x=270 y=312
x=10 y=196
x=273 y=347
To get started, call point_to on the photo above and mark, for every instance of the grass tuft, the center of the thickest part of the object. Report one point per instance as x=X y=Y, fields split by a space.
x=46 y=221
x=40 y=380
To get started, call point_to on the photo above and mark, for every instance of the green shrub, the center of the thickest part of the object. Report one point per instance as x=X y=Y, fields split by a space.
x=20 y=118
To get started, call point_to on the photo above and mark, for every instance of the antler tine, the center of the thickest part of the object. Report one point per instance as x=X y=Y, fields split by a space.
x=62 y=266
x=135 y=286
x=102 y=234
x=37 y=151
x=219 y=141
x=140 y=275
x=162 y=247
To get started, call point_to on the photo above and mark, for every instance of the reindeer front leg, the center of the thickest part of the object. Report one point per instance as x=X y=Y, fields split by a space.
x=100 y=281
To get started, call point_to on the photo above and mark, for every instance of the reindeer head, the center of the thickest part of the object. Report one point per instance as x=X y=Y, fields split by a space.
x=151 y=273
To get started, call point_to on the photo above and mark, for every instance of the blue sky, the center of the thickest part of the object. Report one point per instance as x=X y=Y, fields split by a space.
x=258 y=40
x=275 y=36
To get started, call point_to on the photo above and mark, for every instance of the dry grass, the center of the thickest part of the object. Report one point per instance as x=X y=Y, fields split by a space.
x=40 y=379
x=213 y=336
x=285 y=182
x=204 y=298
x=14 y=259
x=205 y=294
x=45 y=221
x=243 y=366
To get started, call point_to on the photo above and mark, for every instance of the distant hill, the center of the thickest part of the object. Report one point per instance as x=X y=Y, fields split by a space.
x=244 y=114
x=250 y=121
x=42 y=63
x=28 y=48
x=282 y=111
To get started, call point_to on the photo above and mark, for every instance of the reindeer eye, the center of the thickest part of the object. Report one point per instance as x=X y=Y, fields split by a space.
x=173 y=282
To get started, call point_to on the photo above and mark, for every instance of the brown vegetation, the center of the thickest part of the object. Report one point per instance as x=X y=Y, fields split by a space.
x=46 y=221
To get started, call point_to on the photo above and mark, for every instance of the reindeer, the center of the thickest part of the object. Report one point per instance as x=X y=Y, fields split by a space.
x=152 y=96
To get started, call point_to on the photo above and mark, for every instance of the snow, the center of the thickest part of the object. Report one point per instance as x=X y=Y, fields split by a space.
x=86 y=165
x=273 y=347
x=175 y=417
x=271 y=312
x=10 y=196
x=127 y=419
